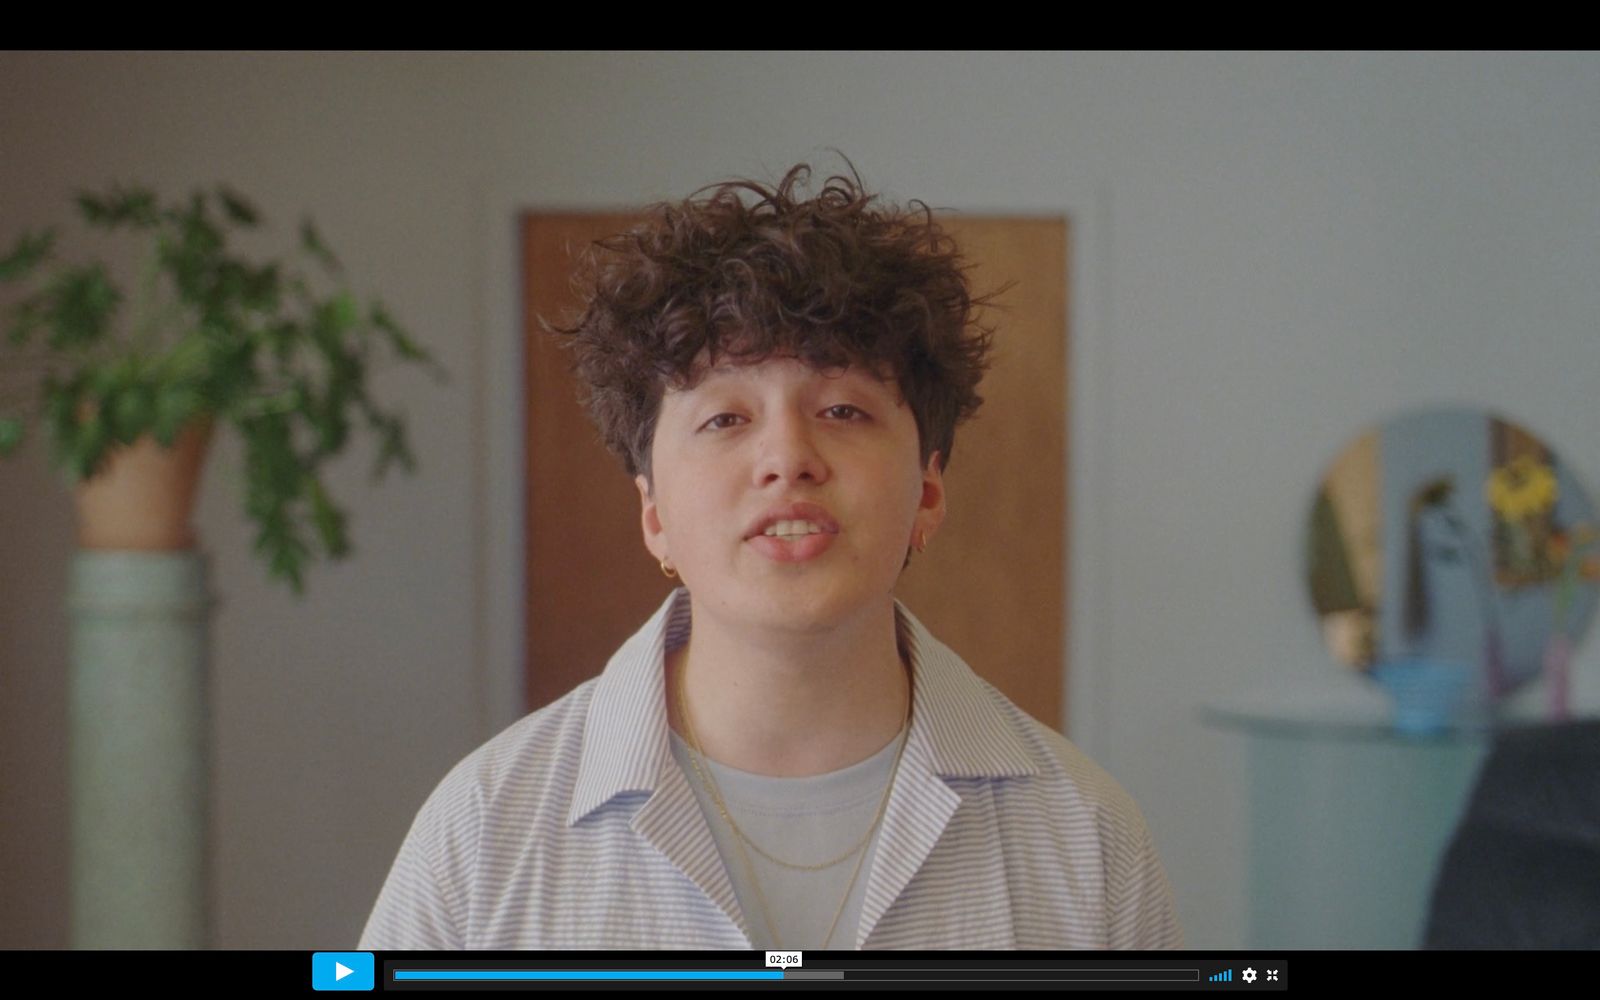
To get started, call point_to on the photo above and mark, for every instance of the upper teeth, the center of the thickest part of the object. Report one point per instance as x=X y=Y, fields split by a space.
x=794 y=528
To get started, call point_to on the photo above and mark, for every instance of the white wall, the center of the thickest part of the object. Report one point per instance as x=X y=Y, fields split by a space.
x=1280 y=249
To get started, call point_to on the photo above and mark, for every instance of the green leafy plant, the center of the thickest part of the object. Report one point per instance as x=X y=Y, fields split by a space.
x=281 y=351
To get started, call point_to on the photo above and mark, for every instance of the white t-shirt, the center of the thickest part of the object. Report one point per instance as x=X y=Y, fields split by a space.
x=803 y=821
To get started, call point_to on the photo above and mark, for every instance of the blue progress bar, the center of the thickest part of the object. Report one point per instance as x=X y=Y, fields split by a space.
x=458 y=975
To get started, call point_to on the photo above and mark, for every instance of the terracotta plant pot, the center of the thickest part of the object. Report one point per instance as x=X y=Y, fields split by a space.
x=144 y=494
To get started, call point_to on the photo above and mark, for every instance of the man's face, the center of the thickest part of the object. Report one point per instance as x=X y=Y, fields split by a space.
x=785 y=497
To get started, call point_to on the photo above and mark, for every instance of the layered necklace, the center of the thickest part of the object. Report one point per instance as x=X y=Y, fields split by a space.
x=740 y=838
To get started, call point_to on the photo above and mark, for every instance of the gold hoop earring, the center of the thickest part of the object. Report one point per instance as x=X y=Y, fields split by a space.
x=922 y=541
x=668 y=571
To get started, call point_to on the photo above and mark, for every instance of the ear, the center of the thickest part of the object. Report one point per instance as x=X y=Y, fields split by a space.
x=930 y=509
x=655 y=537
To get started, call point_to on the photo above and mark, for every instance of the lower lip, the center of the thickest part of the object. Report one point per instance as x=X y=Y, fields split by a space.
x=798 y=550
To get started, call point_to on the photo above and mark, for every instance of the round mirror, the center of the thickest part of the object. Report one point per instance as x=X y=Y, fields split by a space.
x=1453 y=537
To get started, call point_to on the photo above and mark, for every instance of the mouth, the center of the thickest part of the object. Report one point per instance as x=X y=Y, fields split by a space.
x=792 y=522
x=794 y=532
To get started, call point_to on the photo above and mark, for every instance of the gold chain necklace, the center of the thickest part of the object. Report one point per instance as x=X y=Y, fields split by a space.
x=740 y=839
x=738 y=831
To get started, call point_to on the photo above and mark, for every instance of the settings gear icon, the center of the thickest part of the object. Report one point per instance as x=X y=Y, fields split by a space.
x=1249 y=975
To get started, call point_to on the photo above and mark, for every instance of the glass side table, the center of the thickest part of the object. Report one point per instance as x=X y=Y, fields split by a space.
x=1348 y=819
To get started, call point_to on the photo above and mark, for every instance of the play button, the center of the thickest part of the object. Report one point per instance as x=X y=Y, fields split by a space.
x=342 y=970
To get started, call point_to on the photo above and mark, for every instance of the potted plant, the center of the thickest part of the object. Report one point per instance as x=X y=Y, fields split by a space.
x=129 y=383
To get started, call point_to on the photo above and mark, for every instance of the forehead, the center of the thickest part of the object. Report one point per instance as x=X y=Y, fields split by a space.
x=783 y=370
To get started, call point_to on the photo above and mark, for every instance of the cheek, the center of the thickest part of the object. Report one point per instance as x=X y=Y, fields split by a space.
x=694 y=520
x=899 y=519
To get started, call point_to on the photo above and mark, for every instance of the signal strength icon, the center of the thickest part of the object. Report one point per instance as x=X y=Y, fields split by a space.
x=1225 y=976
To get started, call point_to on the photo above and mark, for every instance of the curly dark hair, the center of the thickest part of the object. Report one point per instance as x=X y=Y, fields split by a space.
x=836 y=280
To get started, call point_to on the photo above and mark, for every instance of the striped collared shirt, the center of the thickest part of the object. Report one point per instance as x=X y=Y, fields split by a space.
x=576 y=829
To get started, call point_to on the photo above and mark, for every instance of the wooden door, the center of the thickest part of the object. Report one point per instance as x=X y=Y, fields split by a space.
x=993 y=582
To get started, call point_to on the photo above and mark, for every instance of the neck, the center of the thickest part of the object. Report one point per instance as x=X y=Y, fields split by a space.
x=790 y=706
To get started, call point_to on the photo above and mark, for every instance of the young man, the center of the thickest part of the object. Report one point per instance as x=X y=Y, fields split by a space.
x=783 y=756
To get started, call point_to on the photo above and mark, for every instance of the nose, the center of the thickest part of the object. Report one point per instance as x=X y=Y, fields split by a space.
x=788 y=452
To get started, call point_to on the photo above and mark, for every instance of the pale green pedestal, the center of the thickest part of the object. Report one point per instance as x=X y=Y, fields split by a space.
x=1347 y=835
x=1348 y=821
x=138 y=749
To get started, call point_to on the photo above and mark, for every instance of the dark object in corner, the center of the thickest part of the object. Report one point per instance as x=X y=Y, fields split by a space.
x=1523 y=869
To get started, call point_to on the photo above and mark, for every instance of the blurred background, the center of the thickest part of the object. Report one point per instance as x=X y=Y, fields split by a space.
x=1267 y=255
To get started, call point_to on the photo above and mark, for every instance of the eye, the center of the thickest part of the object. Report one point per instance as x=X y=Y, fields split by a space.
x=846 y=411
x=721 y=421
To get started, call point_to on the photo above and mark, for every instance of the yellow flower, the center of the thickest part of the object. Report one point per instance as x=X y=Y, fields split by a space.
x=1521 y=488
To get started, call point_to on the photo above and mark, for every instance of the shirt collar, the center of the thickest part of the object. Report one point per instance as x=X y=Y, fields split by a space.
x=957 y=724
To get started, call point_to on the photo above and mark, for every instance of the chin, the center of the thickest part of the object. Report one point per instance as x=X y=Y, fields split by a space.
x=813 y=610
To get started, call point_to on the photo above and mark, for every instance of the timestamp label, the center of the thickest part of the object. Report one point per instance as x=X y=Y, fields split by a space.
x=783 y=959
